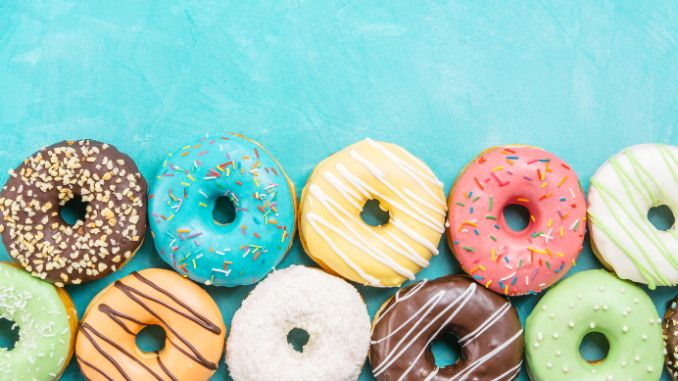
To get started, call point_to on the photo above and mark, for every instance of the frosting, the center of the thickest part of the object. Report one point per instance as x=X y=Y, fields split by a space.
x=622 y=191
x=670 y=331
x=46 y=326
x=503 y=260
x=183 y=197
x=487 y=325
x=335 y=236
x=106 y=348
x=329 y=309
x=115 y=220
x=594 y=301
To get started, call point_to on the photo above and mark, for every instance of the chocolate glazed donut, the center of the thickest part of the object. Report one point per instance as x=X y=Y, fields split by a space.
x=670 y=330
x=115 y=220
x=487 y=325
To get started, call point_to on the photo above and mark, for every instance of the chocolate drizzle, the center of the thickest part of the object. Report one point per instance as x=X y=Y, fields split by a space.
x=141 y=298
x=490 y=333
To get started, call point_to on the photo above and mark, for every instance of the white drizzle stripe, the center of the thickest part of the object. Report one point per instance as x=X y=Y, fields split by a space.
x=414 y=235
x=407 y=168
x=332 y=207
x=509 y=373
x=383 y=259
x=397 y=299
x=393 y=356
x=380 y=176
x=427 y=204
x=408 y=252
x=343 y=189
x=350 y=177
x=433 y=337
x=373 y=281
x=486 y=357
x=432 y=374
x=489 y=322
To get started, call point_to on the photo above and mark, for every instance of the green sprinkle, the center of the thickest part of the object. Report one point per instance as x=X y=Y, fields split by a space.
x=491 y=199
x=491 y=218
x=468 y=248
x=492 y=238
x=461 y=204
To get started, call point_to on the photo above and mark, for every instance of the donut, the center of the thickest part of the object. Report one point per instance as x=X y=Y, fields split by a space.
x=621 y=193
x=184 y=195
x=105 y=347
x=670 y=334
x=507 y=261
x=587 y=302
x=47 y=322
x=114 y=224
x=333 y=233
x=330 y=311
x=487 y=325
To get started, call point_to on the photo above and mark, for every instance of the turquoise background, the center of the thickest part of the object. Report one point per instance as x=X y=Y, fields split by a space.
x=306 y=78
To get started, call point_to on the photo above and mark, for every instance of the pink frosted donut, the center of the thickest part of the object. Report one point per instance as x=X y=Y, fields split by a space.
x=507 y=261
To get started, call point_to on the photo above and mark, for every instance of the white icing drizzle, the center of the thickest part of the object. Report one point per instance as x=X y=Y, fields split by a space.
x=340 y=218
x=496 y=315
x=486 y=357
x=424 y=311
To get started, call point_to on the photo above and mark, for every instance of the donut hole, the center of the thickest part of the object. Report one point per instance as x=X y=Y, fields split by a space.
x=446 y=350
x=73 y=210
x=9 y=334
x=223 y=212
x=516 y=217
x=594 y=347
x=297 y=338
x=373 y=215
x=661 y=217
x=151 y=339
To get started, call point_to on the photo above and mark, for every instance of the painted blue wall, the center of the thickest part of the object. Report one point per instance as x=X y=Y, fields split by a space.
x=306 y=78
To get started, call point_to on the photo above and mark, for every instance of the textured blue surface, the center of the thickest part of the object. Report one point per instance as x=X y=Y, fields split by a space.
x=305 y=78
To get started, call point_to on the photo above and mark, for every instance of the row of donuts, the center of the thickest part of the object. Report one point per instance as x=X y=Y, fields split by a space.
x=339 y=336
x=234 y=171
x=113 y=226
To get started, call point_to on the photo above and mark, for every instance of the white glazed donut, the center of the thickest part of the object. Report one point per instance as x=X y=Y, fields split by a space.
x=621 y=193
x=327 y=307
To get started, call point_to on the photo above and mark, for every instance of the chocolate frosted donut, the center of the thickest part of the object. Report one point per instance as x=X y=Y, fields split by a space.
x=670 y=330
x=487 y=325
x=114 y=224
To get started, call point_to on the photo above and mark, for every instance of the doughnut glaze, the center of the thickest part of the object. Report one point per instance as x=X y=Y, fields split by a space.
x=184 y=195
x=329 y=309
x=106 y=348
x=503 y=260
x=47 y=323
x=594 y=301
x=333 y=233
x=622 y=191
x=114 y=224
x=487 y=325
x=670 y=331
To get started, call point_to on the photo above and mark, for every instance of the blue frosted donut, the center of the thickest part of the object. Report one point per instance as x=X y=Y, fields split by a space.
x=183 y=197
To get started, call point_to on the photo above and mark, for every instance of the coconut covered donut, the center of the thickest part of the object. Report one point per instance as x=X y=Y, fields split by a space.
x=622 y=191
x=114 y=223
x=47 y=322
x=333 y=233
x=329 y=309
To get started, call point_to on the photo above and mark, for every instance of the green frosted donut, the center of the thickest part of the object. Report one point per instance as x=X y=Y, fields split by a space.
x=594 y=301
x=46 y=320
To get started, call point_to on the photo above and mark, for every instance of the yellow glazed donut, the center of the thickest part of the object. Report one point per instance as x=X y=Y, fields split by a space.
x=106 y=344
x=333 y=233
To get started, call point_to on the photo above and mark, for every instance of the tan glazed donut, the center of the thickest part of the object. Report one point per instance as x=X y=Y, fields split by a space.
x=106 y=344
x=333 y=233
